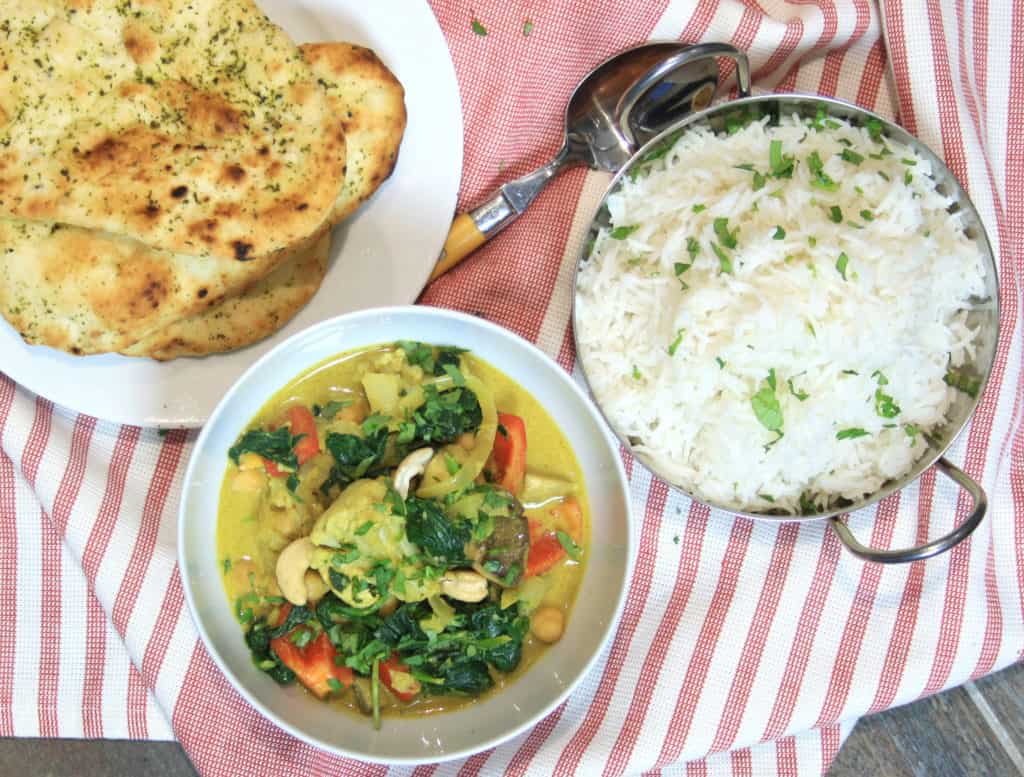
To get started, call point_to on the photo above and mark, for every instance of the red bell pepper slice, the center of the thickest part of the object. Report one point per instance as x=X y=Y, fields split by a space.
x=302 y=422
x=545 y=550
x=509 y=452
x=313 y=664
x=396 y=676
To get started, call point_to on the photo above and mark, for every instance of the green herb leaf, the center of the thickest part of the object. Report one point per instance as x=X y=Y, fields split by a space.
x=721 y=362
x=908 y=178
x=766 y=497
x=884 y=405
x=455 y=374
x=841 y=263
x=771 y=379
x=621 y=233
x=911 y=162
x=759 y=181
x=478 y=28
x=722 y=230
x=867 y=215
x=331 y=408
x=782 y=165
x=636 y=373
x=276 y=446
x=851 y=156
x=798 y=393
x=574 y=551
x=451 y=464
x=880 y=376
x=767 y=409
x=698 y=208
x=780 y=233
x=723 y=259
x=375 y=423
x=835 y=213
x=693 y=247
x=874 y=127
x=335 y=685
x=364 y=528
x=851 y=433
x=961 y=381
x=807 y=505
x=680 y=268
x=675 y=343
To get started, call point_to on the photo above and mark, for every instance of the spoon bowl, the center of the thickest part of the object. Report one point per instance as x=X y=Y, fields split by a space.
x=621 y=104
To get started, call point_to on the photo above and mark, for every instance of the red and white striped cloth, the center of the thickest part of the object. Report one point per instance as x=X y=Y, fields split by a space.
x=761 y=639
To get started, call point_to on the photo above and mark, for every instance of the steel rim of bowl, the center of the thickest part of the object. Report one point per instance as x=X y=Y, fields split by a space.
x=936 y=455
x=630 y=549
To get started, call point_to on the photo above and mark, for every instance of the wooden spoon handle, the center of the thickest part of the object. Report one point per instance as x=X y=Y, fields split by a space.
x=464 y=238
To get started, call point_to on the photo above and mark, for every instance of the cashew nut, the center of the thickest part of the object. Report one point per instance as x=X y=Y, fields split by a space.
x=412 y=466
x=464 y=585
x=291 y=570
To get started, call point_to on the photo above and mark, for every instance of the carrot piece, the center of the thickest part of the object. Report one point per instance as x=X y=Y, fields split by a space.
x=545 y=550
x=568 y=515
x=302 y=422
x=396 y=676
x=313 y=663
x=509 y=453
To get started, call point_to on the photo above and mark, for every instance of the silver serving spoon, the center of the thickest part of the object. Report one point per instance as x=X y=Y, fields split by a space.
x=620 y=105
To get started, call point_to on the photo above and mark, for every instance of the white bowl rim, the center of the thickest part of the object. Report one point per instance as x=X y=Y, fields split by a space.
x=585 y=402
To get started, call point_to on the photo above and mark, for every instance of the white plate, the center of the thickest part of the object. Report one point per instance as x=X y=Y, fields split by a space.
x=388 y=248
x=487 y=723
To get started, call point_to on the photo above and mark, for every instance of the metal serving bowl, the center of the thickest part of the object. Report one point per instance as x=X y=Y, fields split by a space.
x=983 y=313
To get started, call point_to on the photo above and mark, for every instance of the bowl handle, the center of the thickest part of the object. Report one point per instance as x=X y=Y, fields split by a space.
x=929 y=549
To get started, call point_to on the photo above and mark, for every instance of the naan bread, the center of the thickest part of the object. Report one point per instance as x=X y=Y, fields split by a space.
x=193 y=126
x=371 y=102
x=257 y=312
x=92 y=292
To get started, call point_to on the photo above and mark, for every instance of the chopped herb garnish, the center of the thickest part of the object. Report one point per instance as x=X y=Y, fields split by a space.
x=908 y=178
x=680 y=268
x=724 y=262
x=364 y=528
x=674 y=346
x=885 y=406
x=911 y=431
x=851 y=433
x=835 y=213
x=722 y=230
x=636 y=373
x=766 y=497
x=798 y=393
x=745 y=166
x=766 y=405
x=453 y=372
x=331 y=409
x=851 y=156
x=375 y=423
x=867 y=215
x=961 y=381
x=780 y=233
x=334 y=684
x=874 y=127
x=478 y=28
x=807 y=505
x=759 y=181
x=821 y=179
x=451 y=464
x=721 y=362
x=698 y=208
x=841 y=263
x=621 y=233
x=883 y=174
x=781 y=164
x=812 y=241
x=810 y=328
x=850 y=372
x=571 y=548
x=693 y=247
x=911 y=162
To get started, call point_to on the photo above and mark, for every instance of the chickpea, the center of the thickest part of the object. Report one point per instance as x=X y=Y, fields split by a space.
x=547 y=624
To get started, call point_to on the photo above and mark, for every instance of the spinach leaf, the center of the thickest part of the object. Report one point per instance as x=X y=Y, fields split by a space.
x=354 y=456
x=403 y=622
x=466 y=678
x=447 y=356
x=257 y=639
x=427 y=525
x=297 y=615
x=275 y=446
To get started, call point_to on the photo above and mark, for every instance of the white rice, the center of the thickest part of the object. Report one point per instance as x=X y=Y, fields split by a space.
x=899 y=313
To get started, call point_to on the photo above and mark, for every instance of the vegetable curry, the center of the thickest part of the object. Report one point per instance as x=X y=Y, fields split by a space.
x=402 y=530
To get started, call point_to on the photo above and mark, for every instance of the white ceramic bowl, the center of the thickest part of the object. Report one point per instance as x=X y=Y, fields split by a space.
x=500 y=716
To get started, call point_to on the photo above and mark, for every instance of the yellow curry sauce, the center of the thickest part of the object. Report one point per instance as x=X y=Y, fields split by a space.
x=260 y=515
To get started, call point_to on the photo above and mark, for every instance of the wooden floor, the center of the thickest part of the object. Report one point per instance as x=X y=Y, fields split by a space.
x=974 y=731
